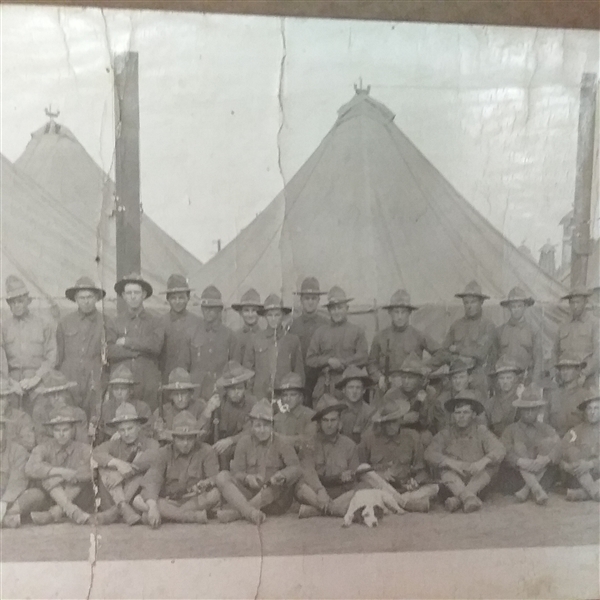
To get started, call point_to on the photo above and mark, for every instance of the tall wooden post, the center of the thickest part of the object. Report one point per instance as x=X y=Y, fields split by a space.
x=127 y=166
x=583 y=180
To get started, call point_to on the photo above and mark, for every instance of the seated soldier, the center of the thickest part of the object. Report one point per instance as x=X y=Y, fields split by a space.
x=294 y=420
x=179 y=397
x=501 y=411
x=357 y=417
x=567 y=395
x=180 y=484
x=412 y=387
x=19 y=425
x=230 y=413
x=435 y=417
x=62 y=466
x=466 y=453
x=120 y=389
x=580 y=457
x=264 y=472
x=532 y=450
x=396 y=455
x=16 y=500
x=54 y=393
x=122 y=461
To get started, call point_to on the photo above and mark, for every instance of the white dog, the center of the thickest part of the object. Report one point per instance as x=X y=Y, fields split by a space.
x=370 y=505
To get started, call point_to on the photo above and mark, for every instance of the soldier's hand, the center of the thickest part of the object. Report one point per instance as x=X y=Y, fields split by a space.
x=69 y=475
x=453 y=348
x=346 y=476
x=213 y=403
x=478 y=466
x=278 y=479
x=204 y=485
x=455 y=465
x=335 y=364
x=254 y=482
x=29 y=383
x=124 y=468
x=92 y=430
x=382 y=383
x=223 y=445
x=153 y=515
x=582 y=467
x=421 y=396
x=388 y=475
x=525 y=464
x=323 y=499
x=540 y=463
x=411 y=485
x=120 y=341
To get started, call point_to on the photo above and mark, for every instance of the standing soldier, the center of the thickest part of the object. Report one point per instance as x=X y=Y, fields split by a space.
x=518 y=339
x=19 y=425
x=391 y=346
x=579 y=336
x=213 y=344
x=273 y=352
x=135 y=339
x=305 y=325
x=501 y=410
x=248 y=308
x=179 y=325
x=29 y=342
x=473 y=336
x=79 y=339
x=336 y=345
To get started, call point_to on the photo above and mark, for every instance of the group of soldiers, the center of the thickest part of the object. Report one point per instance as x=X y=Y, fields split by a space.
x=146 y=419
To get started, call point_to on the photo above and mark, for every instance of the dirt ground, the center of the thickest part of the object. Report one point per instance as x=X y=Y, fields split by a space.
x=502 y=523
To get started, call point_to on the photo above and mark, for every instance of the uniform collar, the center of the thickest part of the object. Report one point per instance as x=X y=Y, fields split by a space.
x=90 y=317
x=26 y=317
x=68 y=449
x=520 y=323
x=139 y=314
x=250 y=328
x=464 y=432
x=329 y=440
x=400 y=329
x=175 y=316
x=214 y=326
x=340 y=324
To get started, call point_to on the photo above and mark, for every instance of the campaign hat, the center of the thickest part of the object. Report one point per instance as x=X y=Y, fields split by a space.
x=126 y=412
x=234 y=373
x=290 y=381
x=15 y=288
x=517 y=294
x=211 y=297
x=310 y=285
x=400 y=299
x=133 y=278
x=335 y=296
x=55 y=381
x=84 y=284
x=249 y=298
x=326 y=404
x=273 y=301
x=353 y=372
x=470 y=396
x=177 y=283
x=472 y=289
x=185 y=424
x=179 y=379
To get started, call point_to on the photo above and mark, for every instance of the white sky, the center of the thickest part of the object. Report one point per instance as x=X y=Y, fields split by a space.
x=494 y=109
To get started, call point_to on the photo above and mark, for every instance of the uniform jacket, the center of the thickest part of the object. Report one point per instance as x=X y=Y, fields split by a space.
x=582 y=443
x=244 y=337
x=356 y=419
x=169 y=412
x=562 y=410
x=580 y=337
x=474 y=338
x=137 y=453
x=41 y=414
x=233 y=418
x=13 y=481
x=304 y=326
x=530 y=441
x=19 y=428
x=523 y=343
x=180 y=329
x=500 y=411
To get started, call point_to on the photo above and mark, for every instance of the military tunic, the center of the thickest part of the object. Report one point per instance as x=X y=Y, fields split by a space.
x=137 y=453
x=582 y=443
x=244 y=337
x=296 y=426
x=19 y=428
x=13 y=481
x=180 y=329
x=523 y=440
x=356 y=419
x=500 y=411
x=233 y=418
x=169 y=412
x=562 y=411
x=520 y=341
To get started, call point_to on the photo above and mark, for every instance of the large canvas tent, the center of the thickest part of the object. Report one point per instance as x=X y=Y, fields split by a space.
x=369 y=212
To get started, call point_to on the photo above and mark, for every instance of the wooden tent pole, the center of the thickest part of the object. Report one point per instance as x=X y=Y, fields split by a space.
x=583 y=180
x=127 y=166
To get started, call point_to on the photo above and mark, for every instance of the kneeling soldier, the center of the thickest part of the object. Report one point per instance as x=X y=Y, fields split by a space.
x=466 y=453
x=263 y=474
x=581 y=452
x=180 y=484
x=532 y=449
x=123 y=461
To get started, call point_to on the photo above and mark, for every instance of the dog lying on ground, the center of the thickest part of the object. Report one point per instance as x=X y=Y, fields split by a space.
x=370 y=505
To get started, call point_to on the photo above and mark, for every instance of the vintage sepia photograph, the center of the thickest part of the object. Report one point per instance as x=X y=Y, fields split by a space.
x=308 y=290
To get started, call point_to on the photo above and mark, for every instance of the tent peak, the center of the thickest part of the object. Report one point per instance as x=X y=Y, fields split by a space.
x=363 y=104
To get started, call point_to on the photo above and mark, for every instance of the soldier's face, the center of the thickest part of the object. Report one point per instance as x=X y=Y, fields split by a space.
x=507 y=381
x=391 y=428
x=261 y=430
x=58 y=399
x=129 y=431
x=338 y=312
x=181 y=399
x=354 y=390
x=184 y=444
x=529 y=415
x=577 y=305
x=274 y=316
x=292 y=398
x=516 y=309
x=211 y=314
x=250 y=315
x=309 y=303
x=568 y=374
x=473 y=306
x=178 y=301
x=592 y=412
x=463 y=416
x=86 y=301
x=411 y=382
x=19 y=306
x=235 y=393
x=63 y=433
x=134 y=295
x=330 y=424
x=395 y=380
x=459 y=381
x=400 y=316
x=121 y=392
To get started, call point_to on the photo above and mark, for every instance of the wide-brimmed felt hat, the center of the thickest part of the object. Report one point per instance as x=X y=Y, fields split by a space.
x=472 y=289
x=273 y=301
x=439 y=373
x=121 y=375
x=133 y=278
x=310 y=285
x=335 y=296
x=469 y=396
x=392 y=411
x=185 y=424
x=15 y=288
x=459 y=365
x=592 y=395
x=506 y=364
x=578 y=290
x=570 y=359
x=249 y=298
x=530 y=398
x=234 y=373
x=517 y=294
x=211 y=297
x=177 y=283
x=262 y=411
x=62 y=415
x=126 y=412
x=84 y=284
x=354 y=372
x=400 y=299
x=413 y=364
x=55 y=381
x=179 y=379
x=326 y=404
x=290 y=381
x=9 y=386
